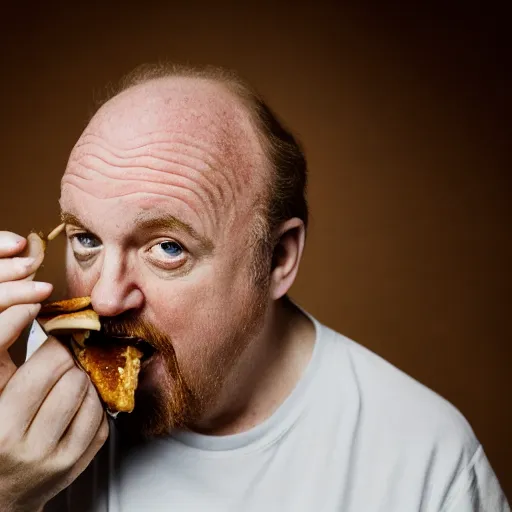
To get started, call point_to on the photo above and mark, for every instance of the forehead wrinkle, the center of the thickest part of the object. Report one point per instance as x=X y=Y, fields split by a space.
x=170 y=173
x=138 y=175
x=180 y=155
x=209 y=114
x=147 y=189
x=209 y=127
x=206 y=180
x=207 y=109
x=157 y=139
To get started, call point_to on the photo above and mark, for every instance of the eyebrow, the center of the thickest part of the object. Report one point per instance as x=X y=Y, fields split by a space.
x=69 y=218
x=172 y=223
x=144 y=222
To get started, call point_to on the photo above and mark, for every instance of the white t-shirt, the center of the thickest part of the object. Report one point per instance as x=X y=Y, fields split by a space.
x=355 y=435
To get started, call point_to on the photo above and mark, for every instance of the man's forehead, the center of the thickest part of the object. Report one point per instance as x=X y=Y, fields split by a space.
x=189 y=140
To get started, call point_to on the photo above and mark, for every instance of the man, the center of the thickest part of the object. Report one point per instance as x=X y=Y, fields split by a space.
x=186 y=217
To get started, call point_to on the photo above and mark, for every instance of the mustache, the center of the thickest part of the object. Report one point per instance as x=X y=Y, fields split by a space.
x=130 y=326
x=158 y=409
x=127 y=325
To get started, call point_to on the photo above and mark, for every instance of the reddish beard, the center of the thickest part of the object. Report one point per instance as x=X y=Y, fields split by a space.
x=177 y=403
x=162 y=408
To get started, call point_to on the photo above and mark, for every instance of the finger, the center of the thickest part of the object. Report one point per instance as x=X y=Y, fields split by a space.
x=12 y=269
x=84 y=426
x=11 y=244
x=23 y=292
x=58 y=410
x=12 y=323
x=35 y=249
x=79 y=463
x=29 y=386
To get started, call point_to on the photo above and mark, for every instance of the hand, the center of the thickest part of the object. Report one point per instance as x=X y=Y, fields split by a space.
x=52 y=422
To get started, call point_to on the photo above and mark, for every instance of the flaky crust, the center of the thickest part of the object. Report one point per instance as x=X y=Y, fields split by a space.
x=65 y=306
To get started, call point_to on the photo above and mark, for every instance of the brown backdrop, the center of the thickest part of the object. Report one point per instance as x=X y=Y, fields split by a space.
x=404 y=117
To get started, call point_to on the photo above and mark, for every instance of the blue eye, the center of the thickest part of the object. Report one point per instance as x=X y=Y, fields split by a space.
x=87 y=241
x=171 y=248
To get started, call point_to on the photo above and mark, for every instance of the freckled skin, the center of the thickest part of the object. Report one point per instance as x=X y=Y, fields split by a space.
x=185 y=148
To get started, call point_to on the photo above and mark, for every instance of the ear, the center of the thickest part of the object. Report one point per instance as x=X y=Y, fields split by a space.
x=286 y=257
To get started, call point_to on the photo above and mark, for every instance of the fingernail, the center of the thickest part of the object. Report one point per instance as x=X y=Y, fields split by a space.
x=42 y=287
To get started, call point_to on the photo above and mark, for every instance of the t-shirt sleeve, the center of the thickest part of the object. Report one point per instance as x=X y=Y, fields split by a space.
x=476 y=489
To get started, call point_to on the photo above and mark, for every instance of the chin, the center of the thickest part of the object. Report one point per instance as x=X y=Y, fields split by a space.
x=161 y=404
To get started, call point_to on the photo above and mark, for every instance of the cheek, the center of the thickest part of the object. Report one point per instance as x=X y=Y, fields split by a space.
x=200 y=313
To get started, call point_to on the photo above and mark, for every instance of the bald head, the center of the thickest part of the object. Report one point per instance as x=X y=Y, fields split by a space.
x=186 y=126
x=286 y=188
x=175 y=108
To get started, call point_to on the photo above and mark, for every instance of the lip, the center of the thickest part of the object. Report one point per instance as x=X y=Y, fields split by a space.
x=148 y=351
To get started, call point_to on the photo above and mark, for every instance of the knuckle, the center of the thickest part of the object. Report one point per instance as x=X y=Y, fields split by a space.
x=79 y=379
x=61 y=463
x=94 y=400
x=31 y=455
x=19 y=452
x=91 y=403
x=60 y=355
x=20 y=267
x=6 y=444
x=21 y=314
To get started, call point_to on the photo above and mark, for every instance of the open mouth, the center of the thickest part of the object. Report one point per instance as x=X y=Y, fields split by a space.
x=100 y=338
x=147 y=350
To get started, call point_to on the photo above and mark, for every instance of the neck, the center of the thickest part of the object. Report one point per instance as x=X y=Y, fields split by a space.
x=265 y=374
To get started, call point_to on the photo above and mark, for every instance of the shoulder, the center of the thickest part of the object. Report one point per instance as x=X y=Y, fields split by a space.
x=404 y=432
x=398 y=400
x=398 y=414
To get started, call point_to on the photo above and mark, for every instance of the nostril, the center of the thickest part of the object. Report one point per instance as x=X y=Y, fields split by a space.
x=105 y=303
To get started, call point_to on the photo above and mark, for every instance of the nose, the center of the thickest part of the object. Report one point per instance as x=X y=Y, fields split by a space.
x=115 y=291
